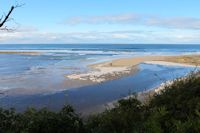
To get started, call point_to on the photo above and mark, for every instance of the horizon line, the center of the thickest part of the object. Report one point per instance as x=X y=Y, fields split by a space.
x=100 y=44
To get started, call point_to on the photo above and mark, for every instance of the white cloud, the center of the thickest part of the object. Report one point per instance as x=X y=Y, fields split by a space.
x=125 y=18
x=176 y=22
x=130 y=36
x=120 y=36
x=139 y=19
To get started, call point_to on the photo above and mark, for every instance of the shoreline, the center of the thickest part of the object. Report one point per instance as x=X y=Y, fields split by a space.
x=121 y=67
x=20 y=52
x=166 y=63
x=144 y=97
x=179 y=60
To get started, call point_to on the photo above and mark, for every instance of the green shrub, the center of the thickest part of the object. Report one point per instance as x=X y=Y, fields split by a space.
x=126 y=117
x=44 y=121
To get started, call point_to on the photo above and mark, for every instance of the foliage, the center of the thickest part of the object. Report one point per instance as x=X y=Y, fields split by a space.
x=175 y=109
x=44 y=121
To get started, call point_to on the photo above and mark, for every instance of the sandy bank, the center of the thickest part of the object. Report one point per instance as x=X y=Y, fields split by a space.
x=121 y=67
x=184 y=60
x=111 y=70
x=104 y=73
x=20 y=52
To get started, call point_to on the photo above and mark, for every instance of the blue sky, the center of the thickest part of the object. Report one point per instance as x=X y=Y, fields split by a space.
x=103 y=21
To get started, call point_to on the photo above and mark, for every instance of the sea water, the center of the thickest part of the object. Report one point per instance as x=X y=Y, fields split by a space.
x=33 y=79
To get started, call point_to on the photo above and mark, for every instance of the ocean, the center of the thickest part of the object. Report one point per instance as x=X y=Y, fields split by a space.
x=68 y=55
x=39 y=80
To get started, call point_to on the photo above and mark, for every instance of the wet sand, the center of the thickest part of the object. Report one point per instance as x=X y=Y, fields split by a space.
x=122 y=67
x=103 y=73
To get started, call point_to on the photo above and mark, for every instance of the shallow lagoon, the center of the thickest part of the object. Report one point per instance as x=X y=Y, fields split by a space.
x=91 y=98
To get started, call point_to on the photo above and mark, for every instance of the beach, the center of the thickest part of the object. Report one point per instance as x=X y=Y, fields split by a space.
x=117 y=68
x=185 y=60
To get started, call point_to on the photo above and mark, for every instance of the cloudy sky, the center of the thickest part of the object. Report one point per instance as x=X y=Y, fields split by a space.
x=103 y=21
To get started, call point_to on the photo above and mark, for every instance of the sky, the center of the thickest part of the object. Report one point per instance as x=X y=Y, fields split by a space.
x=102 y=21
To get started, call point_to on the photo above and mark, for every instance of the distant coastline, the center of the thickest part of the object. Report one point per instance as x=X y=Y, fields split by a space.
x=19 y=52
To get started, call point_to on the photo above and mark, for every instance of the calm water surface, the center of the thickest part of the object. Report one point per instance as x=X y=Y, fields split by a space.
x=42 y=76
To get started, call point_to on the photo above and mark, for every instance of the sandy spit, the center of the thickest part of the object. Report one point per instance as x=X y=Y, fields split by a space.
x=121 y=67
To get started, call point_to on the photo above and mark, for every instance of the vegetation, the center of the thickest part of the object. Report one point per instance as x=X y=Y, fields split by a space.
x=43 y=121
x=175 y=109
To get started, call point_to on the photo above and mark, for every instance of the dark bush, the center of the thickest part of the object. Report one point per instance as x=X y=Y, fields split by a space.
x=44 y=121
